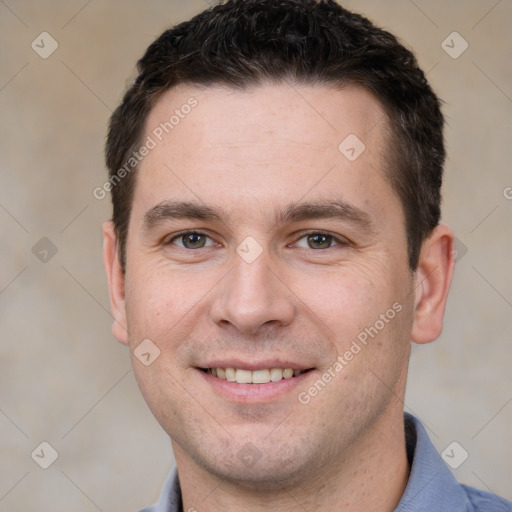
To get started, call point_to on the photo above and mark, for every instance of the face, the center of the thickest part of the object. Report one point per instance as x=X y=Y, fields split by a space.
x=258 y=244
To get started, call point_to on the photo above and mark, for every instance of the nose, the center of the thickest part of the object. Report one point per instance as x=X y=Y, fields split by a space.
x=252 y=296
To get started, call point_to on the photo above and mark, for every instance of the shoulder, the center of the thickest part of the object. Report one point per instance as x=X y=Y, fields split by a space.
x=486 y=502
x=170 y=498
x=432 y=486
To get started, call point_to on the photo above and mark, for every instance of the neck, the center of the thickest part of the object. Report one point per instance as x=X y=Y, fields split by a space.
x=372 y=476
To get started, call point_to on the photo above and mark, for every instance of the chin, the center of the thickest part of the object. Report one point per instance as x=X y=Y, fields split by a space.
x=278 y=468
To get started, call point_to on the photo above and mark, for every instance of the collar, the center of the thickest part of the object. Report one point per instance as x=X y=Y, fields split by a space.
x=431 y=484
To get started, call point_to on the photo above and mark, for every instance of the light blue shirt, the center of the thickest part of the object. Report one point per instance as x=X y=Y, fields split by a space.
x=431 y=486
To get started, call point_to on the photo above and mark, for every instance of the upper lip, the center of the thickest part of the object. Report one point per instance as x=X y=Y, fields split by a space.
x=254 y=365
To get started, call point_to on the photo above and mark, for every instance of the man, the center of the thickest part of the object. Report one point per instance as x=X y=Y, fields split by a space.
x=275 y=246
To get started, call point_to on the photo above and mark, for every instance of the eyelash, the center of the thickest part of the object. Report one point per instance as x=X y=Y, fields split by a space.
x=339 y=242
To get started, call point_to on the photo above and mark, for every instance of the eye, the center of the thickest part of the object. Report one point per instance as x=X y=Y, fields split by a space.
x=191 y=240
x=318 y=240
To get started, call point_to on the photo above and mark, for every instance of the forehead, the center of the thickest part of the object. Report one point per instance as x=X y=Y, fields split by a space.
x=318 y=114
x=262 y=144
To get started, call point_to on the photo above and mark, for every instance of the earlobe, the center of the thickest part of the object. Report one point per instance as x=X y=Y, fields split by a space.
x=116 y=283
x=432 y=284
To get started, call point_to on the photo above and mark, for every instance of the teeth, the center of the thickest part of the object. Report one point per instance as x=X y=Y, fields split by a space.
x=243 y=376
x=276 y=374
x=230 y=374
x=288 y=373
x=253 y=377
x=259 y=376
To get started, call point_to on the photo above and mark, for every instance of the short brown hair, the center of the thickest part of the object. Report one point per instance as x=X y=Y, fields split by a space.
x=243 y=43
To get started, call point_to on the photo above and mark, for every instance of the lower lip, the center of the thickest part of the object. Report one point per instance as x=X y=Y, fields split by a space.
x=254 y=393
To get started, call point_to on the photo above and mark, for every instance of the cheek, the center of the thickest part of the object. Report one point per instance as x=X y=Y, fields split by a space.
x=160 y=389
x=158 y=299
x=349 y=299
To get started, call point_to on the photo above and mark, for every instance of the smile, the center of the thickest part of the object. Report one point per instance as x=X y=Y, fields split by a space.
x=262 y=376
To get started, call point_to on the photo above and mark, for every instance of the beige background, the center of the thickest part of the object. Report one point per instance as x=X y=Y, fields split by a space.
x=65 y=380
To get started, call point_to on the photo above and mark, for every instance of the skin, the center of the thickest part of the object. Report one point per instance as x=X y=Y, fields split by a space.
x=251 y=154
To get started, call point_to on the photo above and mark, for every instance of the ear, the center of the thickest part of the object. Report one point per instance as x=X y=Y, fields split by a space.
x=115 y=278
x=432 y=283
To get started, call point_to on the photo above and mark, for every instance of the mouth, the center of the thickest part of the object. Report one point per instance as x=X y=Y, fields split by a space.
x=261 y=381
x=259 y=376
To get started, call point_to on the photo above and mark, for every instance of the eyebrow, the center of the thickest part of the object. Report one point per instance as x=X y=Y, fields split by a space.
x=294 y=212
